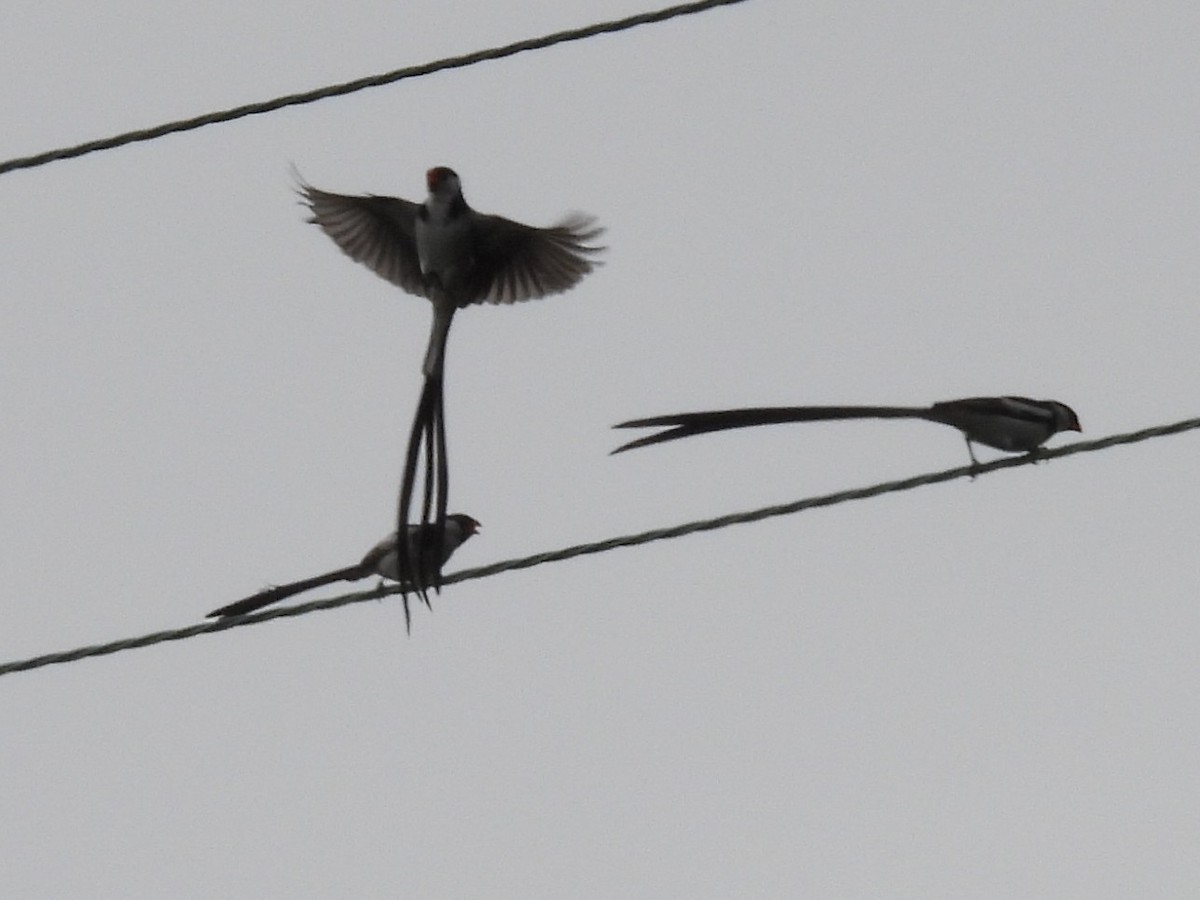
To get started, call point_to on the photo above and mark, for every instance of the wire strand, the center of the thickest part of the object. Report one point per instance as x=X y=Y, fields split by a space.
x=350 y=87
x=631 y=540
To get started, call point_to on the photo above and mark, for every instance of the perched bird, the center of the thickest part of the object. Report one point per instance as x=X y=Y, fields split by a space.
x=382 y=560
x=454 y=256
x=1012 y=424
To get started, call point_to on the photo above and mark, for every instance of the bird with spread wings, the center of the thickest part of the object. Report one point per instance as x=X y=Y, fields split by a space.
x=445 y=251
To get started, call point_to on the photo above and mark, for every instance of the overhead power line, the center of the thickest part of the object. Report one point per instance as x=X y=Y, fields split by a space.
x=645 y=537
x=350 y=87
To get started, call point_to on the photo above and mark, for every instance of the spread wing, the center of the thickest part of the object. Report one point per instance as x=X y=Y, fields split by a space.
x=375 y=231
x=516 y=262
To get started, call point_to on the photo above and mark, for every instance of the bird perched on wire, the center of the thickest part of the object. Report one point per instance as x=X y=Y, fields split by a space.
x=423 y=545
x=1011 y=424
x=447 y=252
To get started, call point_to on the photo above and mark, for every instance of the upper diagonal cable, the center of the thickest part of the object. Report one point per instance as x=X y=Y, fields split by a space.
x=349 y=87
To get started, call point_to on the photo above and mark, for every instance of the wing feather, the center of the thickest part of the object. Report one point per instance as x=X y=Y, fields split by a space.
x=378 y=232
x=516 y=262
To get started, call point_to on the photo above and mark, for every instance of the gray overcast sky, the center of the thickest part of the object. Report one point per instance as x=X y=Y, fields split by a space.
x=980 y=689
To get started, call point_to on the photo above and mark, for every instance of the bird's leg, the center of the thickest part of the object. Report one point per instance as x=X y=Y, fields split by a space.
x=974 y=461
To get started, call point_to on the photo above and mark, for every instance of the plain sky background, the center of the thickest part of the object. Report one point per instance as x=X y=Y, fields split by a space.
x=981 y=689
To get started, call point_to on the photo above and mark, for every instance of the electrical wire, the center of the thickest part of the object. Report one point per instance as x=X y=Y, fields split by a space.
x=350 y=87
x=645 y=537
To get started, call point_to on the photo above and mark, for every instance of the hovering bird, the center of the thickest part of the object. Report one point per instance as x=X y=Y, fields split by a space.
x=447 y=252
x=423 y=546
x=1011 y=424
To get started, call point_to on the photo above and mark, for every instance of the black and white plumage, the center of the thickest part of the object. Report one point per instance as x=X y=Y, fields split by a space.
x=423 y=547
x=447 y=252
x=1011 y=424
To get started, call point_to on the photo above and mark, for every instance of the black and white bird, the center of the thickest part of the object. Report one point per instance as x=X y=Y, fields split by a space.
x=1011 y=424
x=447 y=252
x=423 y=546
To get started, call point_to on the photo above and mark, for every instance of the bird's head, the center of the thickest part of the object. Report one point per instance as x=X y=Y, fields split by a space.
x=1064 y=417
x=465 y=523
x=443 y=182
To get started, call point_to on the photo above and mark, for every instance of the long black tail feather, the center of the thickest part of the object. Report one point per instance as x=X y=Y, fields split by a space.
x=283 y=591
x=681 y=425
x=426 y=444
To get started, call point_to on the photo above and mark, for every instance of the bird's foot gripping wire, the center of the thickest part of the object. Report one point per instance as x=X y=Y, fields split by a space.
x=974 y=462
x=420 y=549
